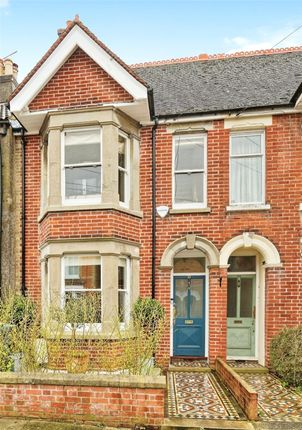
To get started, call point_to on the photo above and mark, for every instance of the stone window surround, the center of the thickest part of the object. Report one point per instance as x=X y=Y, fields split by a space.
x=112 y=121
x=110 y=251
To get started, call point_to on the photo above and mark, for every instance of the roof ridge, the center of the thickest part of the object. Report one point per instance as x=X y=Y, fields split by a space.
x=220 y=56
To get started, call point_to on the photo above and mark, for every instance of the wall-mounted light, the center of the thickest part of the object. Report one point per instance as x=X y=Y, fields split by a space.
x=162 y=211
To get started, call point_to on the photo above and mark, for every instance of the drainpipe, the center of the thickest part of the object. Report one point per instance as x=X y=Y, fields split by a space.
x=154 y=205
x=4 y=124
x=23 y=285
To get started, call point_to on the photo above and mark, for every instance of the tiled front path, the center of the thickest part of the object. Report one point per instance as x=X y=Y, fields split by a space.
x=198 y=395
x=275 y=403
x=201 y=395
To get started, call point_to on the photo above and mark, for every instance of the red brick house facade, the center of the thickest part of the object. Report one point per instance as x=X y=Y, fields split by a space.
x=225 y=165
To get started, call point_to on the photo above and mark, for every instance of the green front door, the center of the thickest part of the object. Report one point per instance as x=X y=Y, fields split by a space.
x=241 y=313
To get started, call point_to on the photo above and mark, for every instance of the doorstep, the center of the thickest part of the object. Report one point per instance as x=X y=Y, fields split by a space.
x=181 y=364
x=247 y=366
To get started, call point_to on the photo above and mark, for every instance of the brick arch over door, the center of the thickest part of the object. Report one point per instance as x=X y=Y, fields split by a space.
x=189 y=242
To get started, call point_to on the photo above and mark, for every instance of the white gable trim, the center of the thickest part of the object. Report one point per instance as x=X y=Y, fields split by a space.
x=74 y=39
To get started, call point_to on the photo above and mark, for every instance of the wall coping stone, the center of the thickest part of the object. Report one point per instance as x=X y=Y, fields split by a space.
x=82 y=379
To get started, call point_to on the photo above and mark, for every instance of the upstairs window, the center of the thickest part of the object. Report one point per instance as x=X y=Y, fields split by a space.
x=123 y=170
x=82 y=165
x=189 y=176
x=247 y=168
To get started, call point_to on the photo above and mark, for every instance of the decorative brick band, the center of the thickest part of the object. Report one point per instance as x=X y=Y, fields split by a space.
x=246 y=396
x=111 y=400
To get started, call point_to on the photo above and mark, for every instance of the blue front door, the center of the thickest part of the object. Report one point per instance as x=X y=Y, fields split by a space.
x=189 y=316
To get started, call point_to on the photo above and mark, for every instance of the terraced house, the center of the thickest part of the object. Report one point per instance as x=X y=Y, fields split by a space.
x=179 y=180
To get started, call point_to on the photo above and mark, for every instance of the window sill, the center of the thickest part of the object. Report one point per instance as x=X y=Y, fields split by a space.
x=248 y=208
x=96 y=207
x=188 y=210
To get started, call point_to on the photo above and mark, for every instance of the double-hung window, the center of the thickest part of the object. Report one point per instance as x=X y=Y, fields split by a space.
x=82 y=166
x=123 y=290
x=123 y=170
x=82 y=277
x=247 y=168
x=189 y=171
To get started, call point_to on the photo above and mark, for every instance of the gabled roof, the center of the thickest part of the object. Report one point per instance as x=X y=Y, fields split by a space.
x=71 y=38
x=75 y=36
x=225 y=83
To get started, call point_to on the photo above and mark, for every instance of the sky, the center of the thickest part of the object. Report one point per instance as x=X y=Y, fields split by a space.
x=145 y=30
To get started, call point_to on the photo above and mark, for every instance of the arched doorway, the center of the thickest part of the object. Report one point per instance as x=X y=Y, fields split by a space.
x=189 y=303
x=246 y=257
x=189 y=260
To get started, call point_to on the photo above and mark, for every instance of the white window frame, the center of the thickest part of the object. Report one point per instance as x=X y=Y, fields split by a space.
x=95 y=326
x=263 y=164
x=95 y=199
x=126 y=170
x=127 y=290
x=192 y=205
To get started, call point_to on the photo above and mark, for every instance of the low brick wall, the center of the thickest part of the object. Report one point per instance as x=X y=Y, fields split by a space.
x=110 y=400
x=245 y=395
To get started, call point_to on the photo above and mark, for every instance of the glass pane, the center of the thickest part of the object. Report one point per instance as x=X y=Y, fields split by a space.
x=232 y=298
x=246 y=180
x=82 y=147
x=122 y=306
x=190 y=155
x=189 y=265
x=181 y=298
x=122 y=151
x=196 y=298
x=247 y=145
x=121 y=185
x=242 y=263
x=121 y=278
x=83 y=307
x=246 y=298
x=82 y=181
x=189 y=187
x=82 y=273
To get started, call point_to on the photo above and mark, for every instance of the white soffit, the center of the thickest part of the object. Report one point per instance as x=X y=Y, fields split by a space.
x=74 y=39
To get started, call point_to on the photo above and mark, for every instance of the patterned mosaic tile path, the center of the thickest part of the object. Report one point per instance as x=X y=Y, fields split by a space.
x=198 y=395
x=275 y=402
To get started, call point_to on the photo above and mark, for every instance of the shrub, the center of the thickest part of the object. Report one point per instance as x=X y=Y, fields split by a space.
x=286 y=355
x=19 y=329
x=148 y=313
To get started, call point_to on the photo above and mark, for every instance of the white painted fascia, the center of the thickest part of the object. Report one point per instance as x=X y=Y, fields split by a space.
x=74 y=39
x=212 y=117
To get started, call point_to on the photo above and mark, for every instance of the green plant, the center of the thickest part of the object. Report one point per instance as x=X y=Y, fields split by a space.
x=147 y=313
x=286 y=355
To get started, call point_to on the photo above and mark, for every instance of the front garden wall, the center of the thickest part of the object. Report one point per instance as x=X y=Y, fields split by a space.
x=110 y=400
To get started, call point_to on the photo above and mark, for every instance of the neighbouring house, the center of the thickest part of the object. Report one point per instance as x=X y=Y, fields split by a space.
x=10 y=184
x=179 y=180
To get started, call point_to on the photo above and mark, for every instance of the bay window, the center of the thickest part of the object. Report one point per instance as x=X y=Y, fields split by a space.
x=82 y=165
x=247 y=168
x=189 y=171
